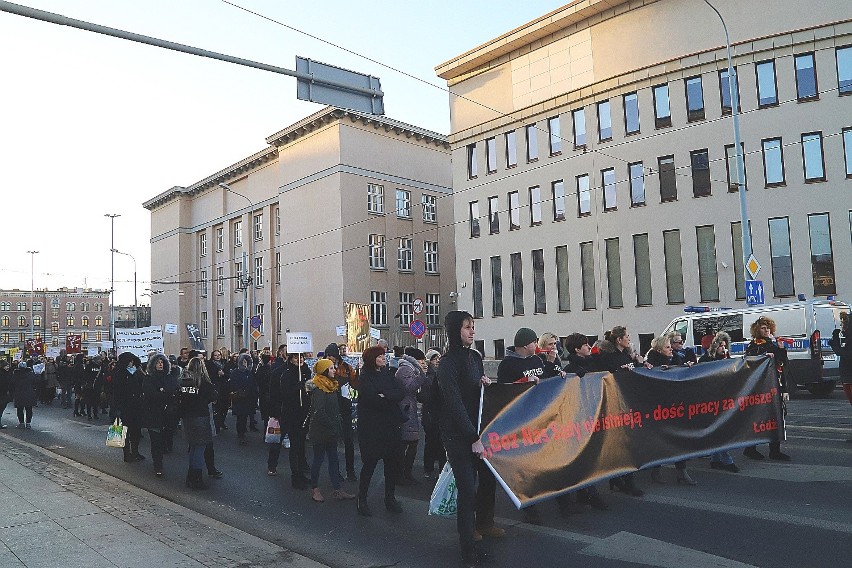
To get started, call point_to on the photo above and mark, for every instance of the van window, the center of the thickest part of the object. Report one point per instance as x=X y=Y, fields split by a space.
x=789 y=323
x=732 y=324
x=680 y=326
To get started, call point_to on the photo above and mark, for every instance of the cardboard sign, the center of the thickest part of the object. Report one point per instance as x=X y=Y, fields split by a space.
x=139 y=341
x=300 y=342
x=171 y=328
x=92 y=351
x=340 y=330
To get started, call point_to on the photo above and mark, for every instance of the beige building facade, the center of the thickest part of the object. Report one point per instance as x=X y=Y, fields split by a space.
x=594 y=167
x=339 y=207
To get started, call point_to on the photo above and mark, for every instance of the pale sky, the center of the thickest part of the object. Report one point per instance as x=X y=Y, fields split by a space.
x=91 y=124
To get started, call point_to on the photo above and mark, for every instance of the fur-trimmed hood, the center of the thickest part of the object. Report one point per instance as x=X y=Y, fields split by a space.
x=152 y=362
x=126 y=358
x=717 y=340
x=245 y=362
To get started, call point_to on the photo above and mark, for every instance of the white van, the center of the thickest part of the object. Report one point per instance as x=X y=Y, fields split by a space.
x=803 y=328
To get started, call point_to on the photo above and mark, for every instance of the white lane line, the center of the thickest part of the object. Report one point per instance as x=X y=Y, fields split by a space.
x=630 y=547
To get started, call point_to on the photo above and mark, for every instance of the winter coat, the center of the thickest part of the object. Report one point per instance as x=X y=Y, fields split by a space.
x=657 y=359
x=77 y=373
x=611 y=359
x=516 y=369
x=195 y=411
x=459 y=374
x=159 y=390
x=93 y=381
x=23 y=387
x=429 y=398
x=379 y=417
x=50 y=375
x=578 y=365
x=63 y=375
x=759 y=347
x=842 y=346
x=326 y=427
x=288 y=399
x=242 y=387
x=127 y=390
x=412 y=378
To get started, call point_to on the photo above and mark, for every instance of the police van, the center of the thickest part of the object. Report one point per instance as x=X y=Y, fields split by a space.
x=803 y=328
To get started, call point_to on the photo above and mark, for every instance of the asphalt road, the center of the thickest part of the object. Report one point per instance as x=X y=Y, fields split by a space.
x=772 y=514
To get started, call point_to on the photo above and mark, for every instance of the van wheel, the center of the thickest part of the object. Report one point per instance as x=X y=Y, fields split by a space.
x=821 y=389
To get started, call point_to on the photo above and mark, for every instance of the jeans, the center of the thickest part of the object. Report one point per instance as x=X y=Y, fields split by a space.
x=464 y=469
x=196 y=457
x=320 y=453
x=29 y=413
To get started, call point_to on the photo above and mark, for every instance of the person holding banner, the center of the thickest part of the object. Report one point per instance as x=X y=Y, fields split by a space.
x=289 y=403
x=718 y=351
x=460 y=377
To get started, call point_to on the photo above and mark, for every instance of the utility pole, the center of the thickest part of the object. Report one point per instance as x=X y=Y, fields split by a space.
x=112 y=217
x=32 y=254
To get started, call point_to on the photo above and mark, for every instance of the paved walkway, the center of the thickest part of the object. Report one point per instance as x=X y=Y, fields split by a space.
x=57 y=512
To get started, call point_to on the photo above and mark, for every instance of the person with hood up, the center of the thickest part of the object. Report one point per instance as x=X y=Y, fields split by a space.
x=127 y=394
x=325 y=429
x=91 y=387
x=159 y=404
x=23 y=390
x=347 y=378
x=411 y=374
x=460 y=376
x=243 y=393
x=196 y=394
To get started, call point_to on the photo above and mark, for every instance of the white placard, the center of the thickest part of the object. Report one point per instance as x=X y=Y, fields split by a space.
x=106 y=344
x=139 y=341
x=341 y=330
x=171 y=328
x=17 y=356
x=53 y=352
x=375 y=333
x=38 y=368
x=300 y=342
x=92 y=351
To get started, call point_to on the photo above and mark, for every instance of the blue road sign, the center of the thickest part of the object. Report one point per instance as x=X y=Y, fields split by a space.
x=754 y=292
x=256 y=322
x=417 y=328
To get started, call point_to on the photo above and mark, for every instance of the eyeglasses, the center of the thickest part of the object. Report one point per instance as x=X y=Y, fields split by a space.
x=677 y=341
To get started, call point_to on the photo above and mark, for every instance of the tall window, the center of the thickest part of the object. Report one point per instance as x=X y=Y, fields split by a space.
x=378 y=308
x=278 y=220
x=668 y=178
x=844 y=69
x=535 y=205
x=700 y=161
x=430 y=208
x=662 y=108
x=822 y=258
x=220 y=323
x=517 y=284
x=203 y=283
x=36 y=321
x=258 y=227
x=674 y=266
x=203 y=326
x=812 y=158
x=806 y=77
x=493 y=215
x=476 y=275
x=554 y=135
x=472 y=167
x=731 y=165
x=258 y=310
x=725 y=90
x=433 y=309
x=278 y=268
x=637 y=184
x=613 y=273
x=708 y=275
x=511 y=149
x=258 y=271
x=767 y=84
x=563 y=291
x=202 y=244
x=473 y=208
x=782 y=257
x=642 y=270
x=377 y=252
x=220 y=280
x=496 y=286
x=406 y=308
x=604 y=121
x=587 y=268
x=609 y=193
x=773 y=162
x=375 y=198
x=69 y=321
x=238 y=233
x=430 y=257
x=538 y=281
x=238 y=269
x=403 y=203
x=631 y=113
x=847 y=150
x=584 y=196
x=54 y=327
x=84 y=321
x=5 y=306
x=578 y=118
x=404 y=257
x=4 y=321
x=694 y=99
x=558 y=192
x=514 y=211
x=220 y=239
x=490 y=155
x=99 y=321
x=532 y=142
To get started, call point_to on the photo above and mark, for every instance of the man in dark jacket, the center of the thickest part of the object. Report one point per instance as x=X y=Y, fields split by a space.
x=289 y=403
x=91 y=387
x=521 y=365
x=841 y=344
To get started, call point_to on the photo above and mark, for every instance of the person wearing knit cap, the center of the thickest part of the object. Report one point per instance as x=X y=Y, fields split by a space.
x=429 y=397
x=347 y=379
x=325 y=428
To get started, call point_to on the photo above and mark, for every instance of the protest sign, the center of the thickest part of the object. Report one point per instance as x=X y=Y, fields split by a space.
x=139 y=341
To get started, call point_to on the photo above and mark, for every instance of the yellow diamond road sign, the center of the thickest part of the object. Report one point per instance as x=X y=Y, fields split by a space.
x=753 y=267
x=255 y=334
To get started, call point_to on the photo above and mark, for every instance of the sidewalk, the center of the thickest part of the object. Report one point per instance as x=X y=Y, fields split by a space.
x=57 y=512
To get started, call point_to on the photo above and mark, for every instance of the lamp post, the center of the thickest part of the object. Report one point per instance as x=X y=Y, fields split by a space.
x=249 y=290
x=135 y=297
x=735 y=114
x=112 y=217
x=32 y=254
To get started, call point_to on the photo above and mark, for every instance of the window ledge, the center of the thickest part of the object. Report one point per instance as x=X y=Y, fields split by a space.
x=373 y=269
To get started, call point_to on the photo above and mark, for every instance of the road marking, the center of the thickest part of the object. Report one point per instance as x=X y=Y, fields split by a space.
x=818 y=428
x=652 y=552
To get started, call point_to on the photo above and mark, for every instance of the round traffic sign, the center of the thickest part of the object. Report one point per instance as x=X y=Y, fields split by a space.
x=417 y=328
x=418 y=305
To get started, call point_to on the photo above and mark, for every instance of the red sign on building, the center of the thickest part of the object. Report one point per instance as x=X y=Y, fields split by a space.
x=73 y=343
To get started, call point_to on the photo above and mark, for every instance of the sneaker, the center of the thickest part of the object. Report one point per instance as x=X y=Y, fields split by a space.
x=3 y=426
x=272 y=472
x=29 y=427
x=316 y=495
x=215 y=473
x=752 y=453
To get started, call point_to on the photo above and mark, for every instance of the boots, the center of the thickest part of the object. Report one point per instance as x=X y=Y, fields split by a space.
x=657 y=475
x=684 y=478
x=392 y=505
x=362 y=507
x=630 y=486
x=194 y=480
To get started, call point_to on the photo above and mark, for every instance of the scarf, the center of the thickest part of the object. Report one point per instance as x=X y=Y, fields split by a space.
x=325 y=384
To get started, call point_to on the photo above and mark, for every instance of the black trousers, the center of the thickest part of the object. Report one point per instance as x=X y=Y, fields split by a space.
x=29 y=414
x=486 y=493
x=433 y=450
x=157 y=447
x=464 y=465
x=407 y=455
x=373 y=451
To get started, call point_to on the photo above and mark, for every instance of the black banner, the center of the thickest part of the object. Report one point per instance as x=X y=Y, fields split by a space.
x=564 y=434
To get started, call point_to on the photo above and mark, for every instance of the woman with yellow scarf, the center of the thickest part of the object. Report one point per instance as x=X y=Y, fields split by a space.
x=325 y=428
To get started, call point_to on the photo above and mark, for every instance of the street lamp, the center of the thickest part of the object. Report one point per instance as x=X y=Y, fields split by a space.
x=735 y=114
x=112 y=217
x=32 y=254
x=249 y=287
x=135 y=300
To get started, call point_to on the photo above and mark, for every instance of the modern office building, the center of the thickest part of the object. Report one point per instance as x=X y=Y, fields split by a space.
x=594 y=169
x=340 y=207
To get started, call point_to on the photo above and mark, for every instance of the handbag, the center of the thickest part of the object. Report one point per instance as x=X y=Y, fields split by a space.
x=273 y=431
x=116 y=435
x=445 y=495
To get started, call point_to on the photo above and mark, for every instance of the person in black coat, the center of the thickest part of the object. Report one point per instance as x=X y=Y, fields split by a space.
x=196 y=394
x=841 y=344
x=77 y=371
x=127 y=397
x=379 y=421
x=159 y=404
x=429 y=397
x=91 y=387
x=23 y=388
x=63 y=375
x=289 y=404
x=5 y=385
x=243 y=391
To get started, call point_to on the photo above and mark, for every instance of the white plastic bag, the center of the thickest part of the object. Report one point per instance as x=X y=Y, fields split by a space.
x=116 y=435
x=445 y=495
x=273 y=432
